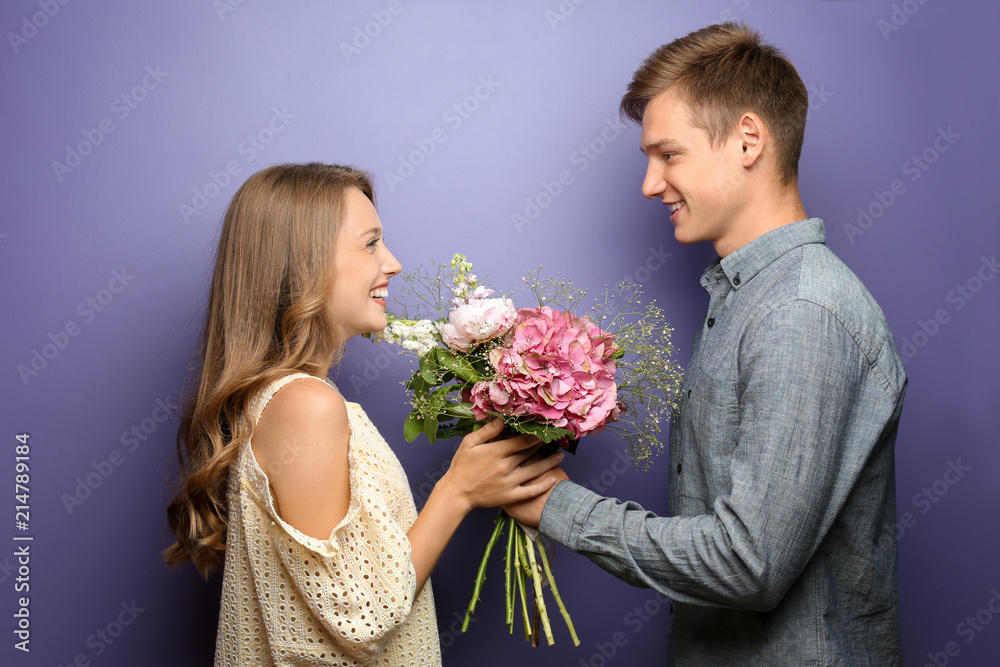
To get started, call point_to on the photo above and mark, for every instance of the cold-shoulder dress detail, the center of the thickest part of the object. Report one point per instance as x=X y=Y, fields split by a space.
x=292 y=599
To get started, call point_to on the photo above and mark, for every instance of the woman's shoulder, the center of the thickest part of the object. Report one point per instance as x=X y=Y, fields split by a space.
x=300 y=404
x=302 y=386
x=305 y=391
x=301 y=444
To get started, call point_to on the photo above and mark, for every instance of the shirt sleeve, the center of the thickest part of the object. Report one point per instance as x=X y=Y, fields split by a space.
x=354 y=590
x=810 y=413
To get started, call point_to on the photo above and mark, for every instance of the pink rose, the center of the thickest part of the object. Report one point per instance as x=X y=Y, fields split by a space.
x=554 y=366
x=477 y=321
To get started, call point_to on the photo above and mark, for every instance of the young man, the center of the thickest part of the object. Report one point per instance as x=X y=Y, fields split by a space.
x=782 y=547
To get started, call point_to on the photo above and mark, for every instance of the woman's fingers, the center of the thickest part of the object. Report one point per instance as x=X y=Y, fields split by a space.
x=518 y=448
x=521 y=446
x=536 y=466
x=534 y=458
x=536 y=486
x=484 y=434
x=533 y=488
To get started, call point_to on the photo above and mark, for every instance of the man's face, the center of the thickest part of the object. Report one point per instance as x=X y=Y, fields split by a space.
x=700 y=183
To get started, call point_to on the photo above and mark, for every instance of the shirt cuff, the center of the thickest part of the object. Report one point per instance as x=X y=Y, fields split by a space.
x=565 y=512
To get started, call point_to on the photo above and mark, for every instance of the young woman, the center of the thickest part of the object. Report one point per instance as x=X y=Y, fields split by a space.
x=326 y=559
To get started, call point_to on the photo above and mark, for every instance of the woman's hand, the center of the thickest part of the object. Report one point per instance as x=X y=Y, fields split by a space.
x=482 y=474
x=487 y=473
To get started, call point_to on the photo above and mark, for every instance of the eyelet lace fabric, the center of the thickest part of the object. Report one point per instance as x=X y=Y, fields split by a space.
x=292 y=599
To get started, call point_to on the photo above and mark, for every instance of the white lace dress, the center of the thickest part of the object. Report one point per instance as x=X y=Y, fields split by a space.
x=291 y=599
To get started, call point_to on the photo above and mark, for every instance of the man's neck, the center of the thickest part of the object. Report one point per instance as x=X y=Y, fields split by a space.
x=763 y=213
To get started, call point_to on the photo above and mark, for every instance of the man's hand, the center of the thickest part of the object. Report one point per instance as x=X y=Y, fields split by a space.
x=529 y=512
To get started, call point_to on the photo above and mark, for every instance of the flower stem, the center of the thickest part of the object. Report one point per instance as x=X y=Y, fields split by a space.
x=508 y=590
x=539 y=598
x=555 y=594
x=519 y=561
x=481 y=576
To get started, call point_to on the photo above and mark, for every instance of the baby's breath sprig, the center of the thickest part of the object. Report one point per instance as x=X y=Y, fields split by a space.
x=553 y=291
x=648 y=377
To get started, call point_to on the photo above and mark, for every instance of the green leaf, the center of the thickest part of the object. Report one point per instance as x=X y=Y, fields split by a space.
x=441 y=354
x=418 y=385
x=460 y=428
x=480 y=366
x=413 y=426
x=438 y=398
x=544 y=432
x=461 y=410
x=460 y=366
x=431 y=428
x=428 y=370
x=456 y=431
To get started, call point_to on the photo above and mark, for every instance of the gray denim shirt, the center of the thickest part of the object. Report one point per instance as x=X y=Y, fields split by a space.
x=782 y=545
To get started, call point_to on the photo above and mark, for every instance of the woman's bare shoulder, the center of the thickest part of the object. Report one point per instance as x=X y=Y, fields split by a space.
x=301 y=443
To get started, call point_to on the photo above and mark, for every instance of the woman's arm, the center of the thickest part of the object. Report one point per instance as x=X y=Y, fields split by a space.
x=301 y=443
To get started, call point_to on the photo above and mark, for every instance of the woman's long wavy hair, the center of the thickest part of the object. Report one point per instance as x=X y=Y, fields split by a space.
x=268 y=315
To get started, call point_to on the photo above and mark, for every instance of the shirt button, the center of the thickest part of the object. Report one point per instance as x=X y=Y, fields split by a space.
x=711 y=322
x=736 y=280
x=678 y=468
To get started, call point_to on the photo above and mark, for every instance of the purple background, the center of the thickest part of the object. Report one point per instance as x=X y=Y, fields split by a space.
x=880 y=96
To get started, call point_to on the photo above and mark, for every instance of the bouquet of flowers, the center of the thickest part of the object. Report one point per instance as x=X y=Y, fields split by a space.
x=544 y=370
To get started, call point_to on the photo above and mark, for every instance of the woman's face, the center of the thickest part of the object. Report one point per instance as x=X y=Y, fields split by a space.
x=363 y=267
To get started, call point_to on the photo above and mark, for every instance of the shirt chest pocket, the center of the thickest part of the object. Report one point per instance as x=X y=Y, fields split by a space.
x=712 y=412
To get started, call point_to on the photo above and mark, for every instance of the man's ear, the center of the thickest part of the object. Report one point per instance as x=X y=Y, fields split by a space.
x=753 y=136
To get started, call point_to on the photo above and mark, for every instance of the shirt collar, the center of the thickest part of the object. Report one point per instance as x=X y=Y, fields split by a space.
x=741 y=265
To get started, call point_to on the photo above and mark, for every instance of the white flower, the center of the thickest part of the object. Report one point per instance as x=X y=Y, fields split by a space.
x=423 y=337
x=419 y=336
x=384 y=336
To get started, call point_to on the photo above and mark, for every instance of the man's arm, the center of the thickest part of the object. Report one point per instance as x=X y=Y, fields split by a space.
x=810 y=414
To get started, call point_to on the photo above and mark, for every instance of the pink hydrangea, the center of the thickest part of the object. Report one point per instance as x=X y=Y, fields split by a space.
x=555 y=366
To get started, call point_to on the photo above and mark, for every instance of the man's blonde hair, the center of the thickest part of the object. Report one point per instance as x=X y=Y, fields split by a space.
x=721 y=72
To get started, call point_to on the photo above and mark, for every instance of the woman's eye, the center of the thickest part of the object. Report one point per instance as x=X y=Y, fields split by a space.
x=372 y=243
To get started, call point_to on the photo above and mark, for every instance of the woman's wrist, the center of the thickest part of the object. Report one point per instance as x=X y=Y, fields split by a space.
x=448 y=497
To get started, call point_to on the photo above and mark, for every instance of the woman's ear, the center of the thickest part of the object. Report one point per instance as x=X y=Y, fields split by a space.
x=753 y=136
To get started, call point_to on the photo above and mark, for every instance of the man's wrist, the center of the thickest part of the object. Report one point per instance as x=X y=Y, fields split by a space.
x=561 y=512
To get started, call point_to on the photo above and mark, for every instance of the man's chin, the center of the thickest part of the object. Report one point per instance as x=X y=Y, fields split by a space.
x=682 y=237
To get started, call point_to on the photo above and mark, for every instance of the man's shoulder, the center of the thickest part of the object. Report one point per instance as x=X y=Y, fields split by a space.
x=819 y=277
x=823 y=278
x=813 y=273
